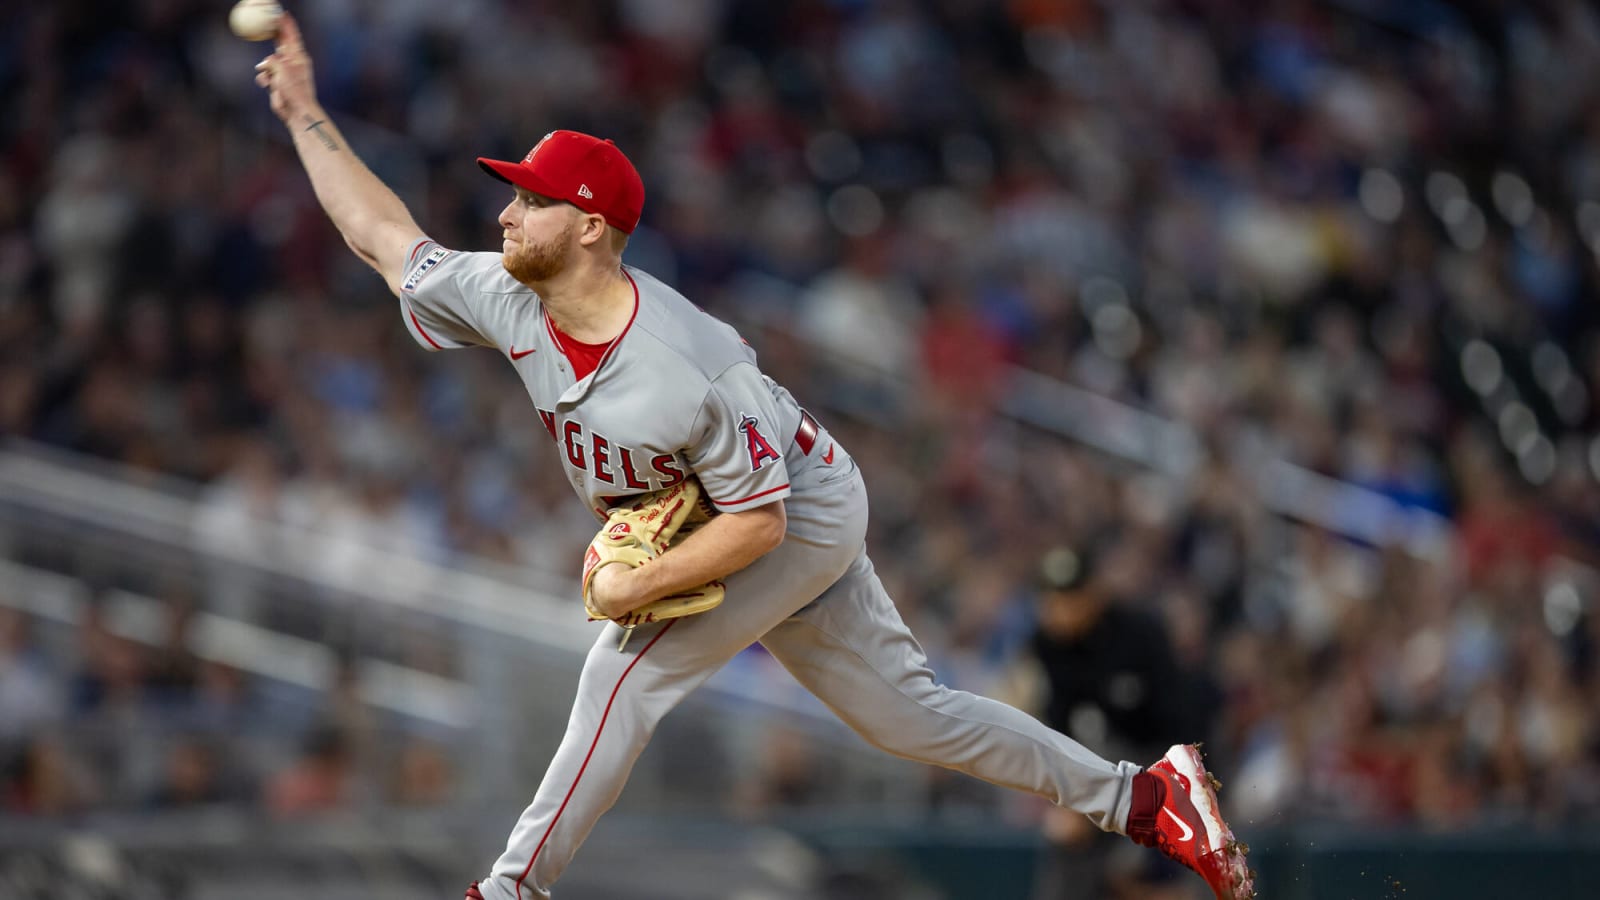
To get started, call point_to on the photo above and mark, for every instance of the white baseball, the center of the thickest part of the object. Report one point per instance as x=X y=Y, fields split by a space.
x=255 y=20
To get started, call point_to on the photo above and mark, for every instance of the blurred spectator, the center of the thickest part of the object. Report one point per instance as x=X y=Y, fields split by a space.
x=319 y=781
x=43 y=778
x=865 y=313
x=113 y=672
x=30 y=693
x=789 y=776
x=423 y=775
x=174 y=669
x=1113 y=681
x=197 y=772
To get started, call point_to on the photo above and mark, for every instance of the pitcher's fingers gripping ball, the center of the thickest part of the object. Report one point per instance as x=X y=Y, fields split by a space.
x=286 y=75
x=640 y=530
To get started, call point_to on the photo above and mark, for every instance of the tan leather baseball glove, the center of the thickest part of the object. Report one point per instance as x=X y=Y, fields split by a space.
x=637 y=531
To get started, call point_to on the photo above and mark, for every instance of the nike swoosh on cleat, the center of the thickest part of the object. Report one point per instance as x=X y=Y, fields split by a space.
x=1188 y=833
x=516 y=356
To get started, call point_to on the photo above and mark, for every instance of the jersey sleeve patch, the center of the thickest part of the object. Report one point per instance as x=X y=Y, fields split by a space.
x=756 y=444
x=420 y=271
x=736 y=446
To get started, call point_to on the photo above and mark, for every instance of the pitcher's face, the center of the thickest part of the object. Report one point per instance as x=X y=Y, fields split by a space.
x=537 y=237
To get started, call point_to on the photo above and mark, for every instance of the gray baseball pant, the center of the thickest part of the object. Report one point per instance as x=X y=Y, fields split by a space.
x=849 y=647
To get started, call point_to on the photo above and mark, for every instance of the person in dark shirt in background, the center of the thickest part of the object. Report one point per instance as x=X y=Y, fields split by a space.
x=1114 y=683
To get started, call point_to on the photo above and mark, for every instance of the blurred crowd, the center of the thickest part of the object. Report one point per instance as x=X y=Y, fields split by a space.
x=95 y=721
x=1353 y=236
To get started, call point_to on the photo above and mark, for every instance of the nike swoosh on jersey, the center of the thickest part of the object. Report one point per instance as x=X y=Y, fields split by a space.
x=1188 y=833
x=827 y=458
x=516 y=356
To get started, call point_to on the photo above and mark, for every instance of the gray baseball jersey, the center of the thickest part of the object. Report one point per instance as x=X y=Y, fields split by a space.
x=679 y=394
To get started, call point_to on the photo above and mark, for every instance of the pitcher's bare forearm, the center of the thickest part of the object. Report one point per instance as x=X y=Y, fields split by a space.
x=372 y=219
x=722 y=546
x=321 y=127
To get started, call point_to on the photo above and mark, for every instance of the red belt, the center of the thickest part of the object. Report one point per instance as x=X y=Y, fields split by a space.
x=805 y=437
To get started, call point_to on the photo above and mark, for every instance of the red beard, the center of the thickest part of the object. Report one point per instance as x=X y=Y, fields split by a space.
x=541 y=262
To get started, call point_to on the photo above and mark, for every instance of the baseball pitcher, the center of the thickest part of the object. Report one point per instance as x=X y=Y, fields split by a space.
x=727 y=514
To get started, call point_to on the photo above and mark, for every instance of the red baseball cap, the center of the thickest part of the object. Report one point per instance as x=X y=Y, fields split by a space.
x=581 y=169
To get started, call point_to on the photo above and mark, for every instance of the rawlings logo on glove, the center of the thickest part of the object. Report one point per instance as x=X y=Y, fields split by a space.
x=638 y=531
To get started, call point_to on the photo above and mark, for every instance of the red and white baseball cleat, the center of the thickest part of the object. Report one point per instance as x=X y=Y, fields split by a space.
x=472 y=892
x=1175 y=810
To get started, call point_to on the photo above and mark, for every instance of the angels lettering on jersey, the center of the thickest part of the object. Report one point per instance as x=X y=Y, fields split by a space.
x=626 y=467
x=592 y=452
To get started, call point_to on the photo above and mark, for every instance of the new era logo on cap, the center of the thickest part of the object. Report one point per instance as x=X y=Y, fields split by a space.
x=564 y=165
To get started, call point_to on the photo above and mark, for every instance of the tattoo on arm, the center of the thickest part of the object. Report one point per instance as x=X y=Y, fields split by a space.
x=326 y=138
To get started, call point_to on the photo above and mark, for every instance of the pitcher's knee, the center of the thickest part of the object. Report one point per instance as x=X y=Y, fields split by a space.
x=912 y=728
